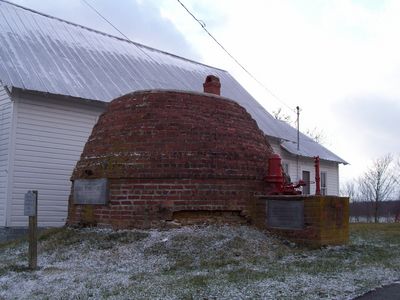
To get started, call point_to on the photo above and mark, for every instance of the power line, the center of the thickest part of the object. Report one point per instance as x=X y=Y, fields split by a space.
x=112 y=25
x=203 y=25
x=101 y=16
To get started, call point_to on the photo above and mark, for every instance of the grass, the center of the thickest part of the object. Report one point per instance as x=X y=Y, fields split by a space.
x=200 y=262
x=375 y=233
x=57 y=238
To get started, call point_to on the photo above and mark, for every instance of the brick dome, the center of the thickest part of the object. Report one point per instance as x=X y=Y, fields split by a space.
x=171 y=151
x=171 y=134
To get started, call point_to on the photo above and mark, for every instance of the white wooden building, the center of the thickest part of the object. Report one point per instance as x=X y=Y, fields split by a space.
x=56 y=78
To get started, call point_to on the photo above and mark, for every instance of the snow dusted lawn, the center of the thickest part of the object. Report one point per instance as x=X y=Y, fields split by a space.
x=212 y=262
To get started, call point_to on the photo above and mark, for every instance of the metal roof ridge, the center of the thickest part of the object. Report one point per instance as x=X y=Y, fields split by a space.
x=108 y=35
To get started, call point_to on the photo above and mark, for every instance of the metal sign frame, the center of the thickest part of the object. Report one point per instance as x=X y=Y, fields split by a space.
x=91 y=191
x=285 y=214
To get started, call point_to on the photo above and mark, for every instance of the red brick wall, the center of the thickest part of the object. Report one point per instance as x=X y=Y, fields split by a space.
x=147 y=203
x=172 y=151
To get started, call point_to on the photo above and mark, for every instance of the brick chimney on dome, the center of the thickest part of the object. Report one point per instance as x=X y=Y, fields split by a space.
x=212 y=85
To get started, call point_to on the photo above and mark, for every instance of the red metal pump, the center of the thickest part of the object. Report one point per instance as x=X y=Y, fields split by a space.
x=279 y=182
x=275 y=174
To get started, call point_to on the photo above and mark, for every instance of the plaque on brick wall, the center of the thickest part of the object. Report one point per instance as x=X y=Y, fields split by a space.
x=91 y=191
x=285 y=214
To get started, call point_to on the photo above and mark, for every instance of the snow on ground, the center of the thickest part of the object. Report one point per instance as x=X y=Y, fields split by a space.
x=213 y=262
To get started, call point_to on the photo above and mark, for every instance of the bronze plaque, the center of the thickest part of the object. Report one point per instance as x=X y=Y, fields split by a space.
x=91 y=191
x=284 y=214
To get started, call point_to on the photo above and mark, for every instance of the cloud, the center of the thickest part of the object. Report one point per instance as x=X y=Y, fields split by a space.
x=370 y=125
x=141 y=21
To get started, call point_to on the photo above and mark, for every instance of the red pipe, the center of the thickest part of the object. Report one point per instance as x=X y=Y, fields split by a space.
x=317 y=177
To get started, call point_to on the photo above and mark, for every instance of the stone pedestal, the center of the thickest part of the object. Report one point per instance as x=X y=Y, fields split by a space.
x=325 y=219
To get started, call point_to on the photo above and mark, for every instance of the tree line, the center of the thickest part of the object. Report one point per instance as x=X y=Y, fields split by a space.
x=375 y=187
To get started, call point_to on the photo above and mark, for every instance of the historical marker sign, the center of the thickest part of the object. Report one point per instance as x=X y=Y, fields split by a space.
x=284 y=214
x=91 y=191
x=30 y=202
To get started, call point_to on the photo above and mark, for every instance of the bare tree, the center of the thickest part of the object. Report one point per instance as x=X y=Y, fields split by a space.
x=397 y=206
x=349 y=189
x=378 y=182
x=280 y=115
x=317 y=135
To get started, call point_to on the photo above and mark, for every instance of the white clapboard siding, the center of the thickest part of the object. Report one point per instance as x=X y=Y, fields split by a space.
x=307 y=164
x=5 y=127
x=49 y=138
x=332 y=172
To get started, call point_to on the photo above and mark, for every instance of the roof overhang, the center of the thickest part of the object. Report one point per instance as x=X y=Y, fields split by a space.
x=19 y=92
x=308 y=149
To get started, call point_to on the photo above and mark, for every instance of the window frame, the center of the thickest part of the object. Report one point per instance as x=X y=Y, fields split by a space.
x=324 y=185
x=307 y=188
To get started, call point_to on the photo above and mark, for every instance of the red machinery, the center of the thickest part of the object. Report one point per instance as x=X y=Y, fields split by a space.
x=279 y=182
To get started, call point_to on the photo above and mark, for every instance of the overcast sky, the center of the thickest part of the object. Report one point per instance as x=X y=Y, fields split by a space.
x=338 y=60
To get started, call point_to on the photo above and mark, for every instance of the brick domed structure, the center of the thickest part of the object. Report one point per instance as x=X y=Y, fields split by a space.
x=170 y=153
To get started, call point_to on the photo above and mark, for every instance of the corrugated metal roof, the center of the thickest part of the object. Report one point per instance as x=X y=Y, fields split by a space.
x=46 y=54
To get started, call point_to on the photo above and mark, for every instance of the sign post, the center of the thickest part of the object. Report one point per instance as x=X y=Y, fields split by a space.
x=30 y=209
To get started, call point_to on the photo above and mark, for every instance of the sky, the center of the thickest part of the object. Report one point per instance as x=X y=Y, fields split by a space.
x=337 y=60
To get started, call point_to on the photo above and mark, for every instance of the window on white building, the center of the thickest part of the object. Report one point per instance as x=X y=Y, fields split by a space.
x=324 y=188
x=285 y=167
x=306 y=179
